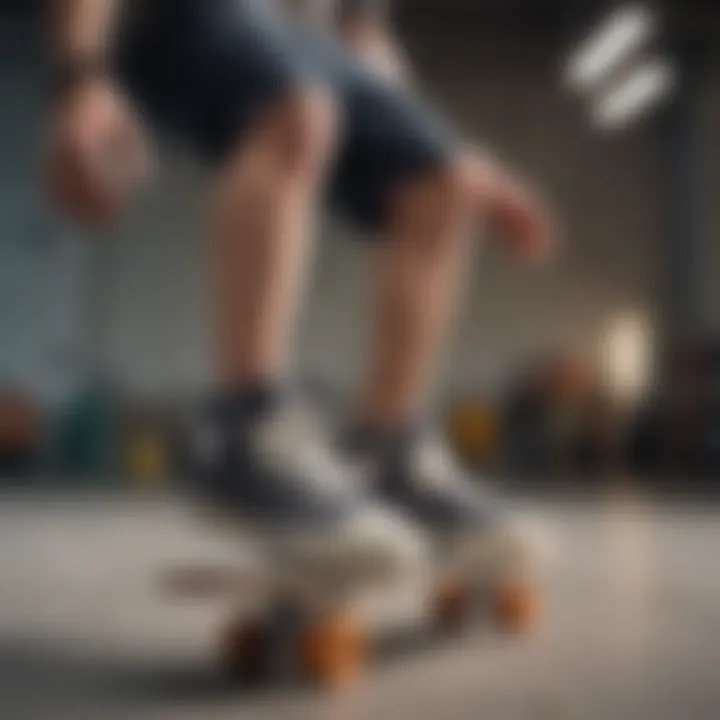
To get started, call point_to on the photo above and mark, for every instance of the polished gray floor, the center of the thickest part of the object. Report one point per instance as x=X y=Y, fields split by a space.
x=632 y=629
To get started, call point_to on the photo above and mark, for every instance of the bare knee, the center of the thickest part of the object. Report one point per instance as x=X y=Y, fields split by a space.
x=301 y=130
x=441 y=203
x=454 y=186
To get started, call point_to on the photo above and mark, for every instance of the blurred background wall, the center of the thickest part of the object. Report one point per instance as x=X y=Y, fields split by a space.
x=134 y=303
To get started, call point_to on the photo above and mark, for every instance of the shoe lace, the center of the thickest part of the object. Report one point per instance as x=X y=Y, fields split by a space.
x=297 y=443
x=434 y=468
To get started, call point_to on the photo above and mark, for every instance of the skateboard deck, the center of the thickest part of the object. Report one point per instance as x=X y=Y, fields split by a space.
x=289 y=629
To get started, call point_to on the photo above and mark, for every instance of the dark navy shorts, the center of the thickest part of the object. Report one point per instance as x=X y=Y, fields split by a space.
x=204 y=69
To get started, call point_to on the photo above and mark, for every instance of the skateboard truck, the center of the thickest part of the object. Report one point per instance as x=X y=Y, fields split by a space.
x=307 y=626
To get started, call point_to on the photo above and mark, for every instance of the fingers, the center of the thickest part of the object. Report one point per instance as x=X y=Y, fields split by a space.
x=76 y=190
x=65 y=185
x=515 y=209
x=525 y=221
x=86 y=177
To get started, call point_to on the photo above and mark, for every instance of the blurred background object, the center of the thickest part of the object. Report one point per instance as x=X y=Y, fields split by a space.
x=473 y=428
x=21 y=433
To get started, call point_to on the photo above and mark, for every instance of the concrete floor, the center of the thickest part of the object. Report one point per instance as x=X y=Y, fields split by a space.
x=632 y=628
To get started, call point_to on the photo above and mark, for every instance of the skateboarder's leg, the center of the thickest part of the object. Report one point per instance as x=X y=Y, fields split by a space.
x=230 y=80
x=225 y=79
x=261 y=216
x=418 y=270
x=414 y=178
x=419 y=273
x=408 y=177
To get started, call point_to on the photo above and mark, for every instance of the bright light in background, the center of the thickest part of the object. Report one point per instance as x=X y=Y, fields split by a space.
x=624 y=32
x=641 y=91
x=627 y=357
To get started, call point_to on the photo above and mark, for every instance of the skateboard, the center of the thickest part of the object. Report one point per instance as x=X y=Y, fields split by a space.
x=296 y=627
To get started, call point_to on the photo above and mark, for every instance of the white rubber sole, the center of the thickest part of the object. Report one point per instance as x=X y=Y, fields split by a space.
x=375 y=548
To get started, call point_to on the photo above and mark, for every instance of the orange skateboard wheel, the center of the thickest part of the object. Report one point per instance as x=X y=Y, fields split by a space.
x=333 y=652
x=518 y=608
